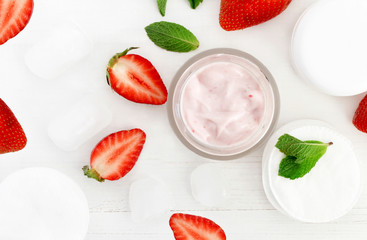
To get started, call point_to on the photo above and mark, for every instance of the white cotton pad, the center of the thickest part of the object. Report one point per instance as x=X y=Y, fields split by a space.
x=328 y=191
x=329 y=46
x=42 y=204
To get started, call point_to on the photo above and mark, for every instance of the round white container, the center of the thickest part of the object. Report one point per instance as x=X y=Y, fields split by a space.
x=328 y=191
x=329 y=47
x=42 y=204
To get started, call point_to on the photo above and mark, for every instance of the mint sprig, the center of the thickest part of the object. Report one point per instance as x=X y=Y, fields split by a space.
x=172 y=37
x=301 y=156
x=162 y=7
x=195 y=3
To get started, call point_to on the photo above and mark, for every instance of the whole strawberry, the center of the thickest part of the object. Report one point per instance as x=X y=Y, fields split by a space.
x=12 y=136
x=360 y=116
x=14 y=16
x=240 y=14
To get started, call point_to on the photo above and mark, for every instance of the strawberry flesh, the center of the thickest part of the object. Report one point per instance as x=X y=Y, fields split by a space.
x=14 y=16
x=12 y=136
x=240 y=14
x=115 y=155
x=360 y=116
x=136 y=79
x=189 y=227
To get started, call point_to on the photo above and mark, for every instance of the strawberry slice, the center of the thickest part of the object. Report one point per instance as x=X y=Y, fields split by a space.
x=190 y=227
x=115 y=155
x=136 y=79
x=12 y=136
x=360 y=116
x=14 y=16
x=240 y=14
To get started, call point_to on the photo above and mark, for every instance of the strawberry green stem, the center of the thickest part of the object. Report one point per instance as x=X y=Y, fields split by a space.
x=91 y=173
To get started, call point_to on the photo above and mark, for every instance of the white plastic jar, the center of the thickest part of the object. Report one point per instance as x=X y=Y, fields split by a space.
x=329 y=48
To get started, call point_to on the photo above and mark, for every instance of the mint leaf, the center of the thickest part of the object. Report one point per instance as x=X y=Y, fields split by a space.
x=195 y=3
x=172 y=37
x=292 y=146
x=288 y=167
x=162 y=6
x=301 y=156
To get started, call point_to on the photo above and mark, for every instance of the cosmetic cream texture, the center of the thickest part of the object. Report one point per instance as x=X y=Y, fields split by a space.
x=223 y=104
x=329 y=190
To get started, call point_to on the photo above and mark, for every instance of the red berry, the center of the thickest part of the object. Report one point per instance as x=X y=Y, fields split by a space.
x=240 y=14
x=12 y=136
x=360 y=116
x=188 y=227
x=14 y=16
x=115 y=155
x=136 y=79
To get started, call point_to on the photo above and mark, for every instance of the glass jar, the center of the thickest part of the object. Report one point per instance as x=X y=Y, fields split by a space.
x=256 y=70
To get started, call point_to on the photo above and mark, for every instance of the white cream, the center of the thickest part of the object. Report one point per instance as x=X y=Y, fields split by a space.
x=328 y=191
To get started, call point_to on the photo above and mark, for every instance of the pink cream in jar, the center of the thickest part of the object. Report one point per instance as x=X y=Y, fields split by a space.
x=224 y=103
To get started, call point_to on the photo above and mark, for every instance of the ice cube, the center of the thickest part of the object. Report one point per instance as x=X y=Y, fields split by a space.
x=42 y=204
x=208 y=185
x=63 y=47
x=149 y=200
x=80 y=123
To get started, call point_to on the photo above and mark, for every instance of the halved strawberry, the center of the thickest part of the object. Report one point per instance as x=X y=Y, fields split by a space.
x=360 y=116
x=190 y=227
x=136 y=79
x=14 y=16
x=240 y=14
x=12 y=136
x=115 y=155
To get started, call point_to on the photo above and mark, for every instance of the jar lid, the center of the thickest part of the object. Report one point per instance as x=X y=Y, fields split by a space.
x=329 y=46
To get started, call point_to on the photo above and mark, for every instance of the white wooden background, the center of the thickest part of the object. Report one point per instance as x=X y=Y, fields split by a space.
x=117 y=24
